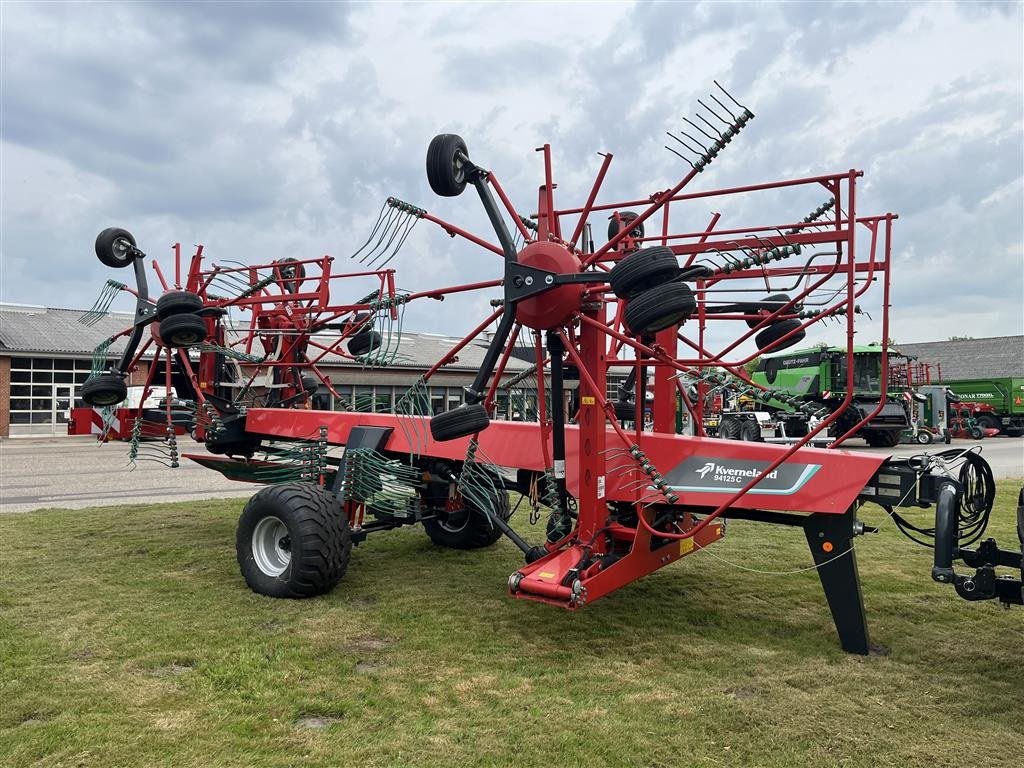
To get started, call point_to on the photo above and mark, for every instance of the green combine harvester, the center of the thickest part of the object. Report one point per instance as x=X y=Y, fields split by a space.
x=819 y=376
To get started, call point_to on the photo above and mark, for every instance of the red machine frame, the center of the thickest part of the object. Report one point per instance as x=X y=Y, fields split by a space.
x=644 y=498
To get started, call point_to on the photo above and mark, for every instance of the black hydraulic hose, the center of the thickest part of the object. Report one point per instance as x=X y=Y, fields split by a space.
x=946 y=510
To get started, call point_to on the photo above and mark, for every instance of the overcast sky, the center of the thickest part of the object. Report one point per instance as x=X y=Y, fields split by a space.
x=277 y=129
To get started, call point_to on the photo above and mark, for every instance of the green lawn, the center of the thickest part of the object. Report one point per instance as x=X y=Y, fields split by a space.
x=128 y=638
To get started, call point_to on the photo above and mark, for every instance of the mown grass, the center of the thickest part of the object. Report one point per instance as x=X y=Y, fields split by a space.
x=129 y=639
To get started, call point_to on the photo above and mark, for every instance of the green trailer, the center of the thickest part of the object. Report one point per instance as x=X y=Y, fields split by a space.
x=819 y=375
x=1005 y=395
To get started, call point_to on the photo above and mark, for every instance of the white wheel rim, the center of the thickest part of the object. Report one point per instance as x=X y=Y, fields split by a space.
x=267 y=538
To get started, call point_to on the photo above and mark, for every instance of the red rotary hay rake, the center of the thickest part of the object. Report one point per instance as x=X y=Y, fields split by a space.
x=654 y=302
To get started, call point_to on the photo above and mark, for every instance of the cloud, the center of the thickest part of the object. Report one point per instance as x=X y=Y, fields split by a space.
x=278 y=129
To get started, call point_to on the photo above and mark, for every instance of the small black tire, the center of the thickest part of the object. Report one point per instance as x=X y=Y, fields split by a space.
x=729 y=429
x=111 y=247
x=290 y=274
x=470 y=528
x=177 y=303
x=750 y=432
x=769 y=303
x=461 y=422
x=924 y=437
x=292 y=541
x=659 y=308
x=180 y=331
x=365 y=341
x=104 y=390
x=767 y=338
x=976 y=433
x=625 y=219
x=445 y=159
x=309 y=382
x=642 y=270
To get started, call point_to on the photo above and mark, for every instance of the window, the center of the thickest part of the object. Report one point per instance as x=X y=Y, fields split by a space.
x=43 y=391
x=383 y=400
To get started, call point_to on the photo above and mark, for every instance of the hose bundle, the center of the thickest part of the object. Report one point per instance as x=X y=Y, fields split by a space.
x=979 y=491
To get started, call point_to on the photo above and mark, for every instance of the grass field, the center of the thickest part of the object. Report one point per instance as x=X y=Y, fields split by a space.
x=128 y=638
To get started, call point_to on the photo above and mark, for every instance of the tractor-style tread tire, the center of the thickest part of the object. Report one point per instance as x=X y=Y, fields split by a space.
x=104 y=390
x=750 y=432
x=444 y=167
x=659 y=308
x=460 y=422
x=177 y=303
x=881 y=438
x=769 y=303
x=474 y=531
x=729 y=428
x=184 y=330
x=642 y=270
x=625 y=219
x=321 y=545
x=776 y=331
x=110 y=249
x=363 y=342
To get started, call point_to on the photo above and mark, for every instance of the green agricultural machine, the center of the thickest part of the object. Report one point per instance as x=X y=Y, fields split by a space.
x=1005 y=396
x=819 y=376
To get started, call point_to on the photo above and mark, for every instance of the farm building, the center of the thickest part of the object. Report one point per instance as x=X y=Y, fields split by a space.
x=988 y=358
x=46 y=354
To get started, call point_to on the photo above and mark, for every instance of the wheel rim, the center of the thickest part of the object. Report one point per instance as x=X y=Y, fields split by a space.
x=456 y=521
x=271 y=546
x=184 y=339
x=458 y=168
x=120 y=249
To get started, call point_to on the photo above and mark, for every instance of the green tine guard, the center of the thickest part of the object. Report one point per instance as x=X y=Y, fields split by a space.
x=101 y=307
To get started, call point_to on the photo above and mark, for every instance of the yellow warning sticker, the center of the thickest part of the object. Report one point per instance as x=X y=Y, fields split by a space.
x=546 y=575
x=685 y=546
x=588 y=399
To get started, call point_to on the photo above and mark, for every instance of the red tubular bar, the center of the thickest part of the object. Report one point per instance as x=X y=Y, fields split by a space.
x=493 y=181
x=452 y=230
x=594 y=189
x=462 y=344
x=718 y=192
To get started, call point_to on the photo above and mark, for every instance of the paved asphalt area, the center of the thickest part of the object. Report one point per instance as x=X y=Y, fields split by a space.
x=77 y=472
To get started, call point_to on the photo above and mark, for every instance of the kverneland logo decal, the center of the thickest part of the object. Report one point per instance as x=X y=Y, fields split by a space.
x=705 y=475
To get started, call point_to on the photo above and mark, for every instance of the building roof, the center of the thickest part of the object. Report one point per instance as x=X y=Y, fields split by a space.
x=26 y=329
x=989 y=358
x=33 y=330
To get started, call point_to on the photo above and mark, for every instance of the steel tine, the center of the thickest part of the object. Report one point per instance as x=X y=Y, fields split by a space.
x=697 y=127
x=715 y=114
x=688 y=147
x=677 y=154
x=728 y=111
x=731 y=97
